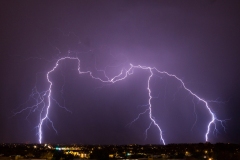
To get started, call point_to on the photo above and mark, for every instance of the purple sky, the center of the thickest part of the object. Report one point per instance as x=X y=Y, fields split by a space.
x=196 y=40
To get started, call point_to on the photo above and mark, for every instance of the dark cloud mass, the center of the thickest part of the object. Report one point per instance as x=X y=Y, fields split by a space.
x=196 y=40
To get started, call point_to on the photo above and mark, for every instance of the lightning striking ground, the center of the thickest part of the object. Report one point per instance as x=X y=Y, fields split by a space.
x=45 y=99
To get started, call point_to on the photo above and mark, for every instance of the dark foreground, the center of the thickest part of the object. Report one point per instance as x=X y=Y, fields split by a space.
x=204 y=151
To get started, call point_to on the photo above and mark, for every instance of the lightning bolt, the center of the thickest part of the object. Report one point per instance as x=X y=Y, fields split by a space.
x=44 y=99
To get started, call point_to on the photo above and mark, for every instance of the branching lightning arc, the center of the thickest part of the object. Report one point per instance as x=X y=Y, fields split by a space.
x=45 y=99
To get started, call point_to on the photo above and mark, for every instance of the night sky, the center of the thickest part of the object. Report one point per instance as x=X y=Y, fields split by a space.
x=196 y=40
